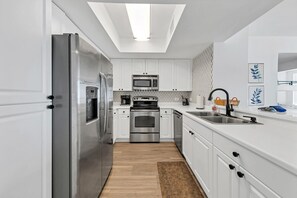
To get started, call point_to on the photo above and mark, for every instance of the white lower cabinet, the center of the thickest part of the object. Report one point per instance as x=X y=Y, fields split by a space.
x=198 y=153
x=251 y=187
x=202 y=162
x=233 y=181
x=187 y=145
x=226 y=181
x=122 y=124
x=225 y=169
x=166 y=127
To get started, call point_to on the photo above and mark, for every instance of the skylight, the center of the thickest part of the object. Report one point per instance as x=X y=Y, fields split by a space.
x=139 y=17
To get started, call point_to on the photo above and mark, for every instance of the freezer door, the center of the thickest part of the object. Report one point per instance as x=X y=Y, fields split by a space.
x=89 y=139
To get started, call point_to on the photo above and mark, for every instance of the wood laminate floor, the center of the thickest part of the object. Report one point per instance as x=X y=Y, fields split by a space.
x=134 y=173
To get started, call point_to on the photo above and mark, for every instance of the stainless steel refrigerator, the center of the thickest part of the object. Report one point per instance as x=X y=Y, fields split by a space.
x=82 y=118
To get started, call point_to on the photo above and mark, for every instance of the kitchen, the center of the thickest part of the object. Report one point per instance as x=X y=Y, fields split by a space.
x=153 y=107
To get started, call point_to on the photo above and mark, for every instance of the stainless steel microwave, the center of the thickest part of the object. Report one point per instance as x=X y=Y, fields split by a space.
x=145 y=82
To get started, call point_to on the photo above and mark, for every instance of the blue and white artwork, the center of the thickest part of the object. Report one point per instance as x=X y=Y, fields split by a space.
x=256 y=73
x=256 y=95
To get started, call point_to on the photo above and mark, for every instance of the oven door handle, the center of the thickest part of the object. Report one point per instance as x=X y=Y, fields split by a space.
x=145 y=110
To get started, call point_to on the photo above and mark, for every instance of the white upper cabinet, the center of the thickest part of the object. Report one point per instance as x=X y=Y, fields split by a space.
x=25 y=50
x=174 y=75
x=122 y=74
x=165 y=75
x=152 y=67
x=117 y=75
x=182 y=75
x=145 y=67
x=138 y=66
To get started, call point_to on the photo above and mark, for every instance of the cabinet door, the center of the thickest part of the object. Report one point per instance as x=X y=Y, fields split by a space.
x=138 y=66
x=182 y=75
x=25 y=50
x=152 y=67
x=126 y=75
x=123 y=126
x=117 y=75
x=25 y=150
x=165 y=75
x=251 y=187
x=166 y=126
x=226 y=182
x=187 y=145
x=115 y=125
x=202 y=162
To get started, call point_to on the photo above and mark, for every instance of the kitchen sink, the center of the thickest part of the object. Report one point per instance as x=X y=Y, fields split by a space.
x=221 y=119
x=216 y=118
x=203 y=113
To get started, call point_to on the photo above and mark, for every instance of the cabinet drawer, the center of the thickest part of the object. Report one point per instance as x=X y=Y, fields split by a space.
x=198 y=128
x=124 y=111
x=165 y=111
x=280 y=180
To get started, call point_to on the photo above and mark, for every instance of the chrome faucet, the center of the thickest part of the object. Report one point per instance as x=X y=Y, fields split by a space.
x=229 y=108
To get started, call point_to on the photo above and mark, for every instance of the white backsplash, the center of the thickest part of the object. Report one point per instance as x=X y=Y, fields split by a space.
x=202 y=74
x=163 y=96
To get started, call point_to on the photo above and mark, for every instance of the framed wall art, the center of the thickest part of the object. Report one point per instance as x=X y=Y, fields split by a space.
x=256 y=95
x=256 y=72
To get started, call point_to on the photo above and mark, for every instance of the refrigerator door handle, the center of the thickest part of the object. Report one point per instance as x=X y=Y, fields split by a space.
x=105 y=104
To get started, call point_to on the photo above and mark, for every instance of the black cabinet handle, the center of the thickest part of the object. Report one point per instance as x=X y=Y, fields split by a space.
x=128 y=116
x=50 y=106
x=231 y=167
x=161 y=116
x=235 y=154
x=240 y=174
x=191 y=132
x=51 y=97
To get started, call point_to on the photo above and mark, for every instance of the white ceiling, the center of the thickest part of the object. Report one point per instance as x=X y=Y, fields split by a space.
x=202 y=23
x=161 y=18
x=280 y=21
x=114 y=19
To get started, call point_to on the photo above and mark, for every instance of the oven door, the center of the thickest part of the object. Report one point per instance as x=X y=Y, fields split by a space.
x=145 y=121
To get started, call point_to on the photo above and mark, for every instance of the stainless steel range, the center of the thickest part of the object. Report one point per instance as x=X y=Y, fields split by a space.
x=145 y=119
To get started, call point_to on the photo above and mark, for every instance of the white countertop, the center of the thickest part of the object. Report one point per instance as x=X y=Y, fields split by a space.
x=273 y=141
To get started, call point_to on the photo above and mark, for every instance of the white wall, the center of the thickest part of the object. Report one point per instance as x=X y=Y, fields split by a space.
x=265 y=50
x=261 y=42
x=230 y=66
x=61 y=23
x=273 y=33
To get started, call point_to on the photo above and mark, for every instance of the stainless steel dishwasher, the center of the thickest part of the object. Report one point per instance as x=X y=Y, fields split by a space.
x=178 y=130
